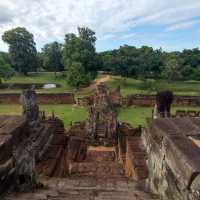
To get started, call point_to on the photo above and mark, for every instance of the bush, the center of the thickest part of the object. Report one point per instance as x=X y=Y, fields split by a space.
x=6 y=71
x=76 y=75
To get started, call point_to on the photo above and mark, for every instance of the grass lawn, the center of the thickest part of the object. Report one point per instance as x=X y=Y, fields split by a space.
x=130 y=86
x=67 y=113
x=137 y=115
x=133 y=86
x=42 y=77
x=47 y=77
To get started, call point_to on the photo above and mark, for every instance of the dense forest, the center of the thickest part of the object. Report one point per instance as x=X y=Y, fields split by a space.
x=78 y=60
x=145 y=62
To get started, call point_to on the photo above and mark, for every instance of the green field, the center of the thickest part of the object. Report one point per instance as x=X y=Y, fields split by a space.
x=47 y=77
x=128 y=86
x=42 y=77
x=68 y=113
x=138 y=115
x=133 y=86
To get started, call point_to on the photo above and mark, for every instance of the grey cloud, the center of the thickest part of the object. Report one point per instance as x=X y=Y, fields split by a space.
x=6 y=15
x=51 y=19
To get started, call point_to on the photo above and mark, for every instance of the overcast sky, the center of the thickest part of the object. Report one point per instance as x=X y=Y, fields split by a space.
x=170 y=24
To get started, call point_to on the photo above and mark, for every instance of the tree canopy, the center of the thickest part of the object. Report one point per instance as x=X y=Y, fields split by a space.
x=79 y=51
x=87 y=34
x=52 y=57
x=145 y=62
x=22 y=49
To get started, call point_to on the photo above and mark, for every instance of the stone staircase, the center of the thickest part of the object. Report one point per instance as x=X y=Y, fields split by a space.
x=100 y=130
x=135 y=163
x=54 y=161
x=99 y=177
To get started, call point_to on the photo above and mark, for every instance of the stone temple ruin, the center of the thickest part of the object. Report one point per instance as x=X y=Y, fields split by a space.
x=101 y=158
x=101 y=125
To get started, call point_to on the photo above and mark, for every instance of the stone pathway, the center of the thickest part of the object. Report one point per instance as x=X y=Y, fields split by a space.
x=86 y=188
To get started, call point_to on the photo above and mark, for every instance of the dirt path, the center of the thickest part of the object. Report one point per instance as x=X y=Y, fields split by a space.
x=102 y=80
x=96 y=82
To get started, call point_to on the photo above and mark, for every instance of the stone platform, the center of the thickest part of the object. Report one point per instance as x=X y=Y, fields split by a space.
x=86 y=188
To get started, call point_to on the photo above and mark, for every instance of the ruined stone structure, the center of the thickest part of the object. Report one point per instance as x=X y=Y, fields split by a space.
x=102 y=118
x=21 y=146
x=28 y=142
x=173 y=149
x=113 y=162
x=114 y=96
x=29 y=105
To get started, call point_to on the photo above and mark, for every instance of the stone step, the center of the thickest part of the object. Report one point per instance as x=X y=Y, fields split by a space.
x=78 y=195
x=92 y=183
x=83 y=195
x=124 y=196
x=103 y=168
x=135 y=163
x=99 y=154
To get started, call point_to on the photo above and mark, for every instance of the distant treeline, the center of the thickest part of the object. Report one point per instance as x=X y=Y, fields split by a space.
x=145 y=62
x=79 y=61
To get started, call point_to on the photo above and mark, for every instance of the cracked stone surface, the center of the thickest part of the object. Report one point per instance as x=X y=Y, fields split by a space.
x=86 y=188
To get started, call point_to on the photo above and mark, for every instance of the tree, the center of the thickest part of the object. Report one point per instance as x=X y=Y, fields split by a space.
x=40 y=63
x=80 y=49
x=52 y=57
x=173 y=70
x=87 y=34
x=22 y=49
x=6 y=71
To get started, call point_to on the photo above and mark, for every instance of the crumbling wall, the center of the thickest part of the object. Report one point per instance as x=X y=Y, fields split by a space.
x=22 y=145
x=143 y=100
x=11 y=133
x=149 y=100
x=60 y=98
x=114 y=95
x=173 y=160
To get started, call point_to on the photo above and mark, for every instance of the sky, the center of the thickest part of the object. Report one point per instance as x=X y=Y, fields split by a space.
x=167 y=24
